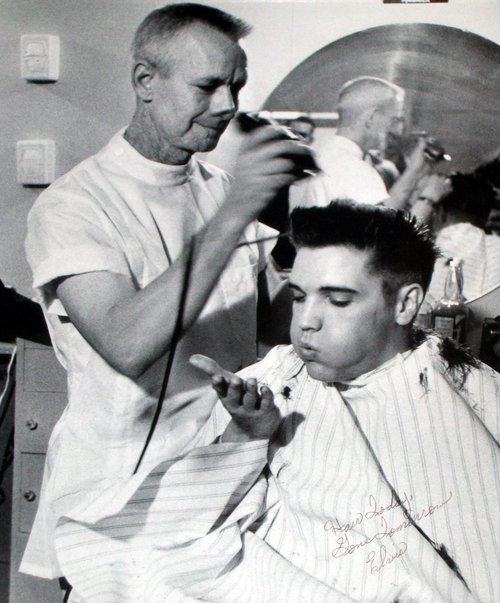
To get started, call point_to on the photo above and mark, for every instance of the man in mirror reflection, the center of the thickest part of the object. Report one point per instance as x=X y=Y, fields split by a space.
x=127 y=236
x=369 y=109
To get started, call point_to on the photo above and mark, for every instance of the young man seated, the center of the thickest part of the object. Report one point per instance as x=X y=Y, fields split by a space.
x=356 y=464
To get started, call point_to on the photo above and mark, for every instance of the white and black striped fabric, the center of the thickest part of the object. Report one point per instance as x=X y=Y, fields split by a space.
x=353 y=469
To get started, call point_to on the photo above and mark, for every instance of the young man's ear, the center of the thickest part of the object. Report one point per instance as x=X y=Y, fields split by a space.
x=408 y=302
x=142 y=76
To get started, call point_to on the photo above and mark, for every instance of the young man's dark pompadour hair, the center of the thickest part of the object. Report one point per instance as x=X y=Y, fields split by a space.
x=163 y=23
x=402 y=248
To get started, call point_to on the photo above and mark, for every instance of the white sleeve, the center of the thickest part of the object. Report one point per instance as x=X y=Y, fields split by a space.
x=66 y=235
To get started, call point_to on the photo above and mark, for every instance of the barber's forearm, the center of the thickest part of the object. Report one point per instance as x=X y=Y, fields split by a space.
x=417 y=167
x=402 y=190
x=148 y=317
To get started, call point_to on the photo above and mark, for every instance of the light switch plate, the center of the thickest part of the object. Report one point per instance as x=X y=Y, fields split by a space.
x=35 y=162
x=40 y=57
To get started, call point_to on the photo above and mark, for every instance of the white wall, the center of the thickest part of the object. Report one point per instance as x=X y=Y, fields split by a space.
x=93 y=98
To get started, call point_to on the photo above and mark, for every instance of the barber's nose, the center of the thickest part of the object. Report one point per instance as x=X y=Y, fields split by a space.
x=310 y=318
x=223 y=101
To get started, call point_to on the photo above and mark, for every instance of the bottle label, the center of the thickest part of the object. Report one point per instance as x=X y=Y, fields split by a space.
x=451 y=326
x=444 y=325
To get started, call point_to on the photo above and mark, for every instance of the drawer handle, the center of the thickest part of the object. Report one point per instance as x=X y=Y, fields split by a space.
x=31 y=424
x=29 y=495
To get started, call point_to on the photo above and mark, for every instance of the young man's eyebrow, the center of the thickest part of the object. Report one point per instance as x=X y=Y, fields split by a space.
x=326 y=289
x=333 y=289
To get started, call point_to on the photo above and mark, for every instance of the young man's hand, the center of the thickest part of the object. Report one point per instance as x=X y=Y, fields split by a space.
x=254 y=414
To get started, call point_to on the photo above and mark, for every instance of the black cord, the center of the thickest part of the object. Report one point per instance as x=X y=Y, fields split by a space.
x=66 y=587
x=440 y=550
x=263 y=239
x=8 y=388
x=7 y=458
x=176 y=337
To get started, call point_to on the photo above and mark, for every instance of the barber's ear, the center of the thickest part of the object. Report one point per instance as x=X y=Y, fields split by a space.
x=408 y=302
x=142 y=76
x=370 y=117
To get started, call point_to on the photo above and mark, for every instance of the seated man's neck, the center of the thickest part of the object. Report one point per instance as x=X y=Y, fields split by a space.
x=399 y=344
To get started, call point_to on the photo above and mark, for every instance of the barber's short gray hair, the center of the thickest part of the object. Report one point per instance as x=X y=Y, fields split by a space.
x=365 y=92
x=163 y=23
x=367 y=81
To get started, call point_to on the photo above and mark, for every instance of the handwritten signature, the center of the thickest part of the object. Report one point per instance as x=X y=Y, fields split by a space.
x=345 y=547
x=377 y=562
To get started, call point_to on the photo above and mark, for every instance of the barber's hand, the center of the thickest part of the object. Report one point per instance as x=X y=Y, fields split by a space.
x=268 y=161
x=436 y=187
x=418 y=162
x=254 y=414
x=428 y=152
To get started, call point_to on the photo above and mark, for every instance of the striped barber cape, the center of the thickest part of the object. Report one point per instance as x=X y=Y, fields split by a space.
x=381 y=489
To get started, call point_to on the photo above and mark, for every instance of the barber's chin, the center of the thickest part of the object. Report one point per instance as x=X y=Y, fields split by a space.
x=207 y=144
x=211 y=144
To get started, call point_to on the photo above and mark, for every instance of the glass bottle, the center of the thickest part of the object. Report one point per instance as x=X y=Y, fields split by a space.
x=423 y=320
x=450 y=313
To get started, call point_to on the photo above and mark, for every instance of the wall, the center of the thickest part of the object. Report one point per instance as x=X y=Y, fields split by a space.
x=92 y=98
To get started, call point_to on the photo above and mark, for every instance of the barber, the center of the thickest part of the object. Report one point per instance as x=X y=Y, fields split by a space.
x=110 y=245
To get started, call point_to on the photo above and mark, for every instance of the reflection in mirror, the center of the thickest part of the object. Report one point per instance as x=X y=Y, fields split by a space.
x=451 y=78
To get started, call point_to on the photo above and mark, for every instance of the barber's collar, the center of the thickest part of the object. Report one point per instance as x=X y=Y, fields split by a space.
x=348 y=146
x=147 y=170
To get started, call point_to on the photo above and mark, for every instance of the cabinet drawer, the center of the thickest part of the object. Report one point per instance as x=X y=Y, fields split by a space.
x=42 y=371
x=31 y=480
x=36 y=415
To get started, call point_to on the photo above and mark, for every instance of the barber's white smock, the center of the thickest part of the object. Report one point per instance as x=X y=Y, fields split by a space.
x=120 y=212
x=344 y=175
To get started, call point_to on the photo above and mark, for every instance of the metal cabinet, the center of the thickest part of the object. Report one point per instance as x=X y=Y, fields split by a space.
x=40 y=400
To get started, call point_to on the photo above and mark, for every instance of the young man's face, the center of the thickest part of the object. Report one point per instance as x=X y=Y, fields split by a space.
x=342 y=325
x=197 y=96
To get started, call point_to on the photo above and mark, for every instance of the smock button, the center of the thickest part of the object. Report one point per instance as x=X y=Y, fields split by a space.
x=29 y=495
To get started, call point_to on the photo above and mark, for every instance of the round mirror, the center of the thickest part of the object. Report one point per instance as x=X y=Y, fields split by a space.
x=451 y=78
